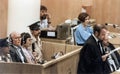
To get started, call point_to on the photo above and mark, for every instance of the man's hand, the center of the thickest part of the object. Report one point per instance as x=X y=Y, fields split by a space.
x=104 y=57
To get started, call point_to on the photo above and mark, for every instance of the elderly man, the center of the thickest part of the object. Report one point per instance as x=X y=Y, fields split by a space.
x=93 y=59
x=15 y=48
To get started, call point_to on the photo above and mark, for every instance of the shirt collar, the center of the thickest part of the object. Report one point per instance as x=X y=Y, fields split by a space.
x=96 y=39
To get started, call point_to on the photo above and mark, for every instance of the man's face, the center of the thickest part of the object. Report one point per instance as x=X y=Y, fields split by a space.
x=16 y=39
x=43 y=14
x=102 y=34
x=36 y=32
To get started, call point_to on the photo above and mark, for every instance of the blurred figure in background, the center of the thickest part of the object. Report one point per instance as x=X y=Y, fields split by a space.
x=45 y=22
x=4 y=51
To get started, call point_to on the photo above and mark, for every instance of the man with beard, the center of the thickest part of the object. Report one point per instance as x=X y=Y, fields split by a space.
x=45 y=22
x=93 y=59
x=36 y=42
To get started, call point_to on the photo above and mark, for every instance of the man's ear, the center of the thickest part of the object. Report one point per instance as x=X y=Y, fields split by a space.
x=96 y=33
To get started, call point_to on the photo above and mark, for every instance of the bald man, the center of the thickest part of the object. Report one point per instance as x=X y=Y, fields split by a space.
x=15 y=48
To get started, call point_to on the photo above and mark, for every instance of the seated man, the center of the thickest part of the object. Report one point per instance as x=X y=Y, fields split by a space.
x=36 y=42
x=4 y=51
x=45 y=22
x=114 y=58
x=15 y=48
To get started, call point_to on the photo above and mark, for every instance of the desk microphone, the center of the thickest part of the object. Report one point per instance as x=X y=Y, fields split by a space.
x=33 y=47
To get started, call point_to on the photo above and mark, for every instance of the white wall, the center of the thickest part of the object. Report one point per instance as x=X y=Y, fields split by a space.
x=22 y=13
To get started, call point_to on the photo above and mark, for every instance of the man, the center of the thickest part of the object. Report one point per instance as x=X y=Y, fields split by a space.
x=92 y=57
x=36 y=42
x=15 y=48
x=114 y=58
x=45 y=22
x=4 y=51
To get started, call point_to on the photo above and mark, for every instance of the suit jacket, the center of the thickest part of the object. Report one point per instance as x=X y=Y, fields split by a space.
x=15 y=55
x=115 y=56
x=90 y=61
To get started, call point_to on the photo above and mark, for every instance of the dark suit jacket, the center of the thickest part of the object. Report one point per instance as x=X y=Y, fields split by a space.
x=115 y=56
x=90 y=59
x=15 y=55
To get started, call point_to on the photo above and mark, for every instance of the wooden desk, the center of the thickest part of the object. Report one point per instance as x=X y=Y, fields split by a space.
x=65 y=64
x=116 y=72
x=115 y=39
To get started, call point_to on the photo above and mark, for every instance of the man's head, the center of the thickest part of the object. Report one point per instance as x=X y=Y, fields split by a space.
x=106 y=39
x=15 y=38
x=35 y=29
x=100 y=31
x=43 y=12
x=4 y=46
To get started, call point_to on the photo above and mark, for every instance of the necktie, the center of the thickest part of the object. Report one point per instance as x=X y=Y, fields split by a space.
x=100 y=47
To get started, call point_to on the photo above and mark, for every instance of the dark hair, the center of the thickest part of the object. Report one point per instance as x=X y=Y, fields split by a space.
x=98 y=28
x=4 y=42
x=82 y=17
x=43 y=7
x=24 y=37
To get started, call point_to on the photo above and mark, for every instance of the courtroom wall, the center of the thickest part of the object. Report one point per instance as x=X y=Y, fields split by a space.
x=106 y=11
x=61 y=10
x=3 y=17
x=102 y=10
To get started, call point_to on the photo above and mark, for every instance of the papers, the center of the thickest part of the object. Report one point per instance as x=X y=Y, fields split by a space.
x=114 y=50
x=52 y=34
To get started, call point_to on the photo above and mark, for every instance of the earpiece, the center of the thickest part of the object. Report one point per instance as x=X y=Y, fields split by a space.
x=10 y=39
x=23 y=39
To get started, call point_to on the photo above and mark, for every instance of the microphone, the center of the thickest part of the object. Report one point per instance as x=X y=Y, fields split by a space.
x=33 y=47
x=113 y=25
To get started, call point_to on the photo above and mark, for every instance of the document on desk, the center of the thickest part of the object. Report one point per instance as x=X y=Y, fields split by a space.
x=52 y=34
x=114 y=50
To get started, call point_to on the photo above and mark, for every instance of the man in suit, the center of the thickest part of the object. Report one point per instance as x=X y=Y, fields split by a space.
x=15 y=48
x=114 y=58
x=92 y=57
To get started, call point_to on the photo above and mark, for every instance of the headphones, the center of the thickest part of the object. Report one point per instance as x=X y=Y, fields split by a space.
x=23 y=40
x=24 y=37
x=10 y=40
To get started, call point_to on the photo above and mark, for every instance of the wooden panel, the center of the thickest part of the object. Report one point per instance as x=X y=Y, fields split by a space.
x=102 y=10
x=106 y=11
x=65 y=64
x=3 y=17
x=50 y=48
x=61 y=10
x=19 y=68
